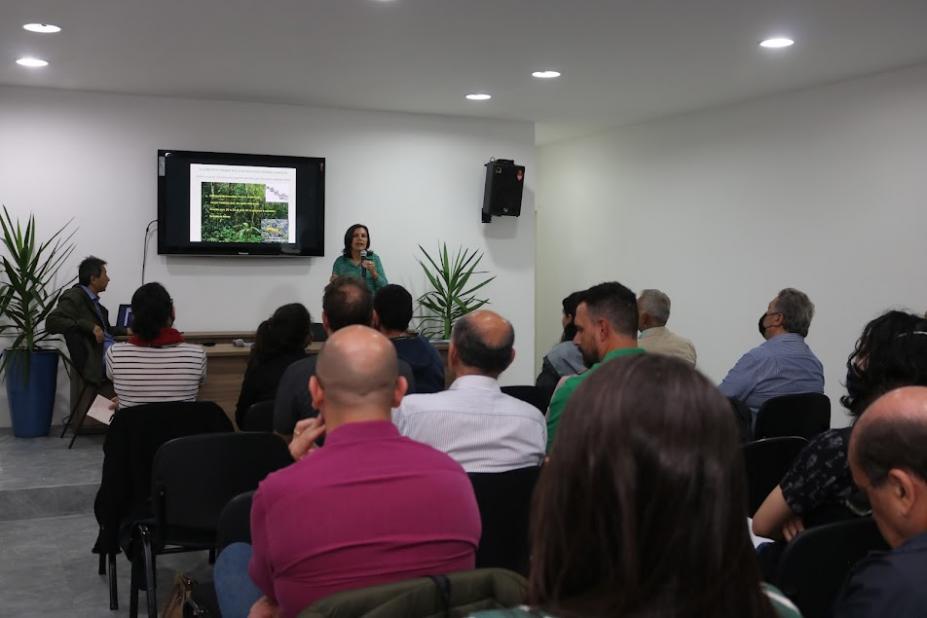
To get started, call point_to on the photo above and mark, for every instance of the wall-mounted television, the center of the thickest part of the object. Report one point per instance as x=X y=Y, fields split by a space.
x=213 y=203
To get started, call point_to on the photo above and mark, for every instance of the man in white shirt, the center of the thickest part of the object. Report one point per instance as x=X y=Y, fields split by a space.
x=473 y=421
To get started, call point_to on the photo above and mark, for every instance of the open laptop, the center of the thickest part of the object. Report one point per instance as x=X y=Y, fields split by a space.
x=124 y=316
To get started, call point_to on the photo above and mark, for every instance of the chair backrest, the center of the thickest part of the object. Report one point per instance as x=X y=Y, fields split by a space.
x=504 y=499
x=744 y=418
x=132 y=440
x=766 y=463
x=529 y=393
x=815 y=565
x=805 y=415
x=452 y=595
x=235 y=521
x=193 y=478
x=77 y=345
x=317 y=332
x=259 y=417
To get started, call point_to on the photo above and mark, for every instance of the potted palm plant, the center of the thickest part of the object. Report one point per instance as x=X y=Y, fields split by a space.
x=453 y=288
x=28 y=273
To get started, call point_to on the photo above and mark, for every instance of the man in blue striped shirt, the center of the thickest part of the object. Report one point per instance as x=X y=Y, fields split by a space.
x=784 y=364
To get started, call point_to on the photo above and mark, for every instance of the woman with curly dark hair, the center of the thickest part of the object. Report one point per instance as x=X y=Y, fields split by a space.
x=891 y=352
x=280 y=340
x=641 y=510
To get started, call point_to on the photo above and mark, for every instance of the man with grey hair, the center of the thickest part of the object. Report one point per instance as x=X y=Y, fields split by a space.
x=473 y=421
x=653 y=311
x=783 y=364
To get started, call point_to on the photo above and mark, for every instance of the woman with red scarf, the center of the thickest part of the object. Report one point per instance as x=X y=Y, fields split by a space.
x=155 y=364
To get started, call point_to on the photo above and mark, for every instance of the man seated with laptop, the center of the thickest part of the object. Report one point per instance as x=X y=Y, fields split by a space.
x=84 y=322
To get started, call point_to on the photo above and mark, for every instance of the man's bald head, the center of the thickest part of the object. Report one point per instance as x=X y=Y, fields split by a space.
x=484 y=341
x=357 y=367
x=892 y=433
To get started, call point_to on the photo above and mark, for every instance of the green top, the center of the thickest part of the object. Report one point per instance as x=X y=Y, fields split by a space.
x=781 y=604
x=344 y=266
x=562 y=395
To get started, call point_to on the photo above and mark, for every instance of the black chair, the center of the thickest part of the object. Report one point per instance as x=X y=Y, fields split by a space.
x=766 y=463
x=192 y=479
x=85 y=391
x=744 y=418
x=805 y=415
x=504 y=500
x=317 y=332
x=234 y=527
x=133 y=438
x=816 y=564
x=235 y=522
x=529 y=394
x=259 y=417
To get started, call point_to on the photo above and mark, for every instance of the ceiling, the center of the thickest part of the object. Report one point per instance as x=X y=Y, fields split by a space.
x=623 y=61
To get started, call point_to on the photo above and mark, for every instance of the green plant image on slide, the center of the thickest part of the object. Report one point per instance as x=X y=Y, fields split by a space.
x=240 y=212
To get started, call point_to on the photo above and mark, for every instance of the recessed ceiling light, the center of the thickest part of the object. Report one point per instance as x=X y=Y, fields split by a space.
x=479 y=96
x=777 y=43
x=546 y=74
x=42 y=28
x=32 y=63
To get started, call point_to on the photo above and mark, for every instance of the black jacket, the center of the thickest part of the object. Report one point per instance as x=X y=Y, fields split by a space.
x=134 y=437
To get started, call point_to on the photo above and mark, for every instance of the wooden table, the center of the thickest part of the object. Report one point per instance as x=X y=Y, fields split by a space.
x=226 y=364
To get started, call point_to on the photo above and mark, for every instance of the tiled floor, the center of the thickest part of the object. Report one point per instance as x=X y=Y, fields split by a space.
x=47 y=528
x=47 y=570
x=44 y=462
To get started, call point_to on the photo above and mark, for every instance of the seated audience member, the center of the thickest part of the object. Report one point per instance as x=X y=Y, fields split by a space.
x=368 y=508
x=346 y=301
x=392 y=307
x=888 y=456
x=653 y=309
x=474 y=422
x=155 y=364
x=606 y=329
x=564 y=359
x=887 y=355
x=641 y=509
x=783 y=364
x=280 y=341
x=79 y=310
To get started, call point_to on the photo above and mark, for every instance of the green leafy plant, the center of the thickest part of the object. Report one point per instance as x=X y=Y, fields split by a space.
x=452 y=293
x=27 y=283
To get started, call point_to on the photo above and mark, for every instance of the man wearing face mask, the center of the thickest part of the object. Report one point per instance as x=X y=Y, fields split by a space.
x=783 y=364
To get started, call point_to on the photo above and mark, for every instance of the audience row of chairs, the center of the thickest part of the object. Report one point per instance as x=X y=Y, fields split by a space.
x=177 y=478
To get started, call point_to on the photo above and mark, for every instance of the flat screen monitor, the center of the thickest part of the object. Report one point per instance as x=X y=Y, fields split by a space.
x=212 y=203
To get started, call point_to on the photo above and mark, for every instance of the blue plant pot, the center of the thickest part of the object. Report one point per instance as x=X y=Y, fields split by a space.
x=31 y=402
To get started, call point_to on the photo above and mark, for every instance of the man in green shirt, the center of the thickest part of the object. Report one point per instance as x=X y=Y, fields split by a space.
x=606 y=328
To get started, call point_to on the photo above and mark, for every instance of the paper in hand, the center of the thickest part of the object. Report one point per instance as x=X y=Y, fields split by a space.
x=101 y=410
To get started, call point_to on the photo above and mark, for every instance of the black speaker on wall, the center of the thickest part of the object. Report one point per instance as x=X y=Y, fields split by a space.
x=504 y=184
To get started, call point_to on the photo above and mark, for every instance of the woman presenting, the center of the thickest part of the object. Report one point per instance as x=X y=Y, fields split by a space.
x=357 y=260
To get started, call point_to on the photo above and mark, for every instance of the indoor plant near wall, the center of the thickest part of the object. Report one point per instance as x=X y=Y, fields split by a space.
x=453 y=286
x=27 y=295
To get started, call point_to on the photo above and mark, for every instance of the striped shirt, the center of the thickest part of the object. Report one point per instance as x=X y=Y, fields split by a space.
x=148 y=375
x=479 y=426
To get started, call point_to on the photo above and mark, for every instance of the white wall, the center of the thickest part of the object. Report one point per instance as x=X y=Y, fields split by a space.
x=823 y=189
x=411 y=178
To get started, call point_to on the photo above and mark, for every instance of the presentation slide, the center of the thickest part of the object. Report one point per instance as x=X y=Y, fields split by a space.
x=242 y=204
